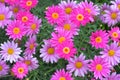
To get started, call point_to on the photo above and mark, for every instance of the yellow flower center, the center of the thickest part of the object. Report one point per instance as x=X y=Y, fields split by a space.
x=80 y=17
x=99 y=67
x=16 y=30
x=2 y=1
x=55 y=15
x=114 y=15
x=31 y=46
x=98 y=39
x=50 y=51
x=29 y=3
x=10 y=51
x=15 y=10
x=33 y=26
x=1 y=68
x=111 y=52
x=119 y=6
x=78 y=64
x=2 y=17
x=61 y=39
x=68 y=10
x=88 y=10
x=24 y=19
x=115 y=34
x=66 y=50
x=20 y=70
x=67 y=27
x=62 y=78
x=27 y=62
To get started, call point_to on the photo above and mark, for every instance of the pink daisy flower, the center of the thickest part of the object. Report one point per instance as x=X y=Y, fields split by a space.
x=100 y=67
x=12 y=2
x=78 y=65
x=30 y=61
x=59 y=38
x=80 y=17
x=68 y=26
x=20 y=70
x=114 y=33
x=68 y=6
x=111 y=54
x=113 y=76
x=112 y=15
x=15 y=9
x=66 y=50
x=103 y=8
x=10 y=51
x=33 y=27
x=61 y=75
x=55 y=14
x=16 y=30
x=116 y=3
x=5 y=15
x=31 y=45
x=4 y=68
x=92 y=9
x=28 y=4
x=48 y=52
x=25 y=17
x=99 y=39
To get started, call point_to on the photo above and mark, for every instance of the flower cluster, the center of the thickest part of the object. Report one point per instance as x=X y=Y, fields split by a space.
x=67 y=19
x=19 y=23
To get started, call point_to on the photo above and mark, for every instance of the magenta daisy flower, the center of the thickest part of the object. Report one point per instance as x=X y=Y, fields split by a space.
x=61 y=37
x=48 y=52
x=10 y=51
x=12 y=2
x=4 y=68
x=28 y=4
x=61 y=75
x=68 y=26
x=112 y=15
x=92 y=9
x=25 y=17
x=55 y=14
x=33 y=27
x=99 y=39
x=31 y=45
x=30 y=61
x=113 y=76
x=100 y=67
x=78 y=65
x=16 y=30
x=80 y=17
x=114 y=33
x=111 y=53
x=66 y=50
x=5 y=15
x=68 y=6
x=116 y=3
x=20 y=70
